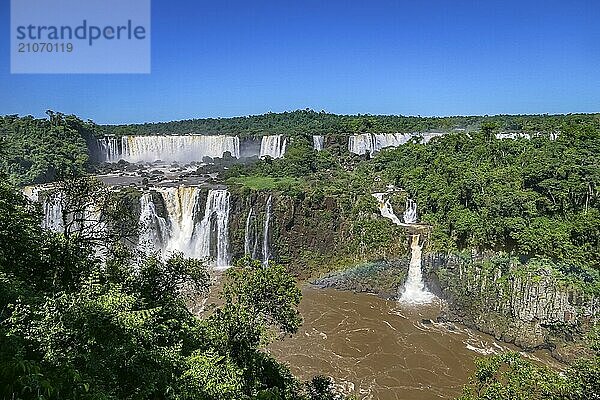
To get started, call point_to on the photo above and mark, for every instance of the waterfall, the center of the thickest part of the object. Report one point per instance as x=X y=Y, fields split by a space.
x=414 y=288
x=181 y=205
x=427 y=136
x=70 y=216
x=410 y=212
x=154 y=229
x=110 y=149
x=385 y=208
x=197 y=239
x=373 y=142
x=247 y=235
x=360 y=144
x=53 y=212
x=273 y=146
x=265 y=249
x=168 y=148
x=217 y=207
x=318 y=142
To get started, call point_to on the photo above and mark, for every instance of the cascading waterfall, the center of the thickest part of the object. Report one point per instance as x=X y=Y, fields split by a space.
x=371 y=143
x=179 y=230
x=53 y=212
x=273 y=146
x=181 y=205
x=154 y=229
x=385 y=208
x=361 y=144
x=217 y=207
x=168 y=148
x=69 y=217
x=110 y=149
x=415 y=291
x=266 y=254
x=410 y=212
x=318 y=142
x=186 y=234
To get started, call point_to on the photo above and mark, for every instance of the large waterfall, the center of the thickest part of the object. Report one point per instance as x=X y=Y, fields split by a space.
x=415 y=291
x=273 y=146
x=204 y=238
x=318 y=142
x=154 y=229
x=110 y=148
x=266 y=251
x=168 y=148
x=217 y=207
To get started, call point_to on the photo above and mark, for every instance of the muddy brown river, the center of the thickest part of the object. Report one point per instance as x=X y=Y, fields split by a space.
x=379 y=349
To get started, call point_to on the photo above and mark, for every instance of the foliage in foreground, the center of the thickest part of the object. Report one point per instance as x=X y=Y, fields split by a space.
x=509 y=376
x=72 y=328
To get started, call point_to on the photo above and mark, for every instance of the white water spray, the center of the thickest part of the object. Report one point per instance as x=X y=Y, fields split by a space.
x=53 y=212
x=184 y=233
x=168 y=148
x=154 y=229
x=217 y=207
x=273 y=146
x=386 y=210
x=371 y=143
x=415 y=291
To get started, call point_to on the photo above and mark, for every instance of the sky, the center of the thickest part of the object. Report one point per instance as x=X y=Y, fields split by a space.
x=419 y=57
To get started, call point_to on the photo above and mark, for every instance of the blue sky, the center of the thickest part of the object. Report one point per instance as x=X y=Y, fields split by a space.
x=229 y=58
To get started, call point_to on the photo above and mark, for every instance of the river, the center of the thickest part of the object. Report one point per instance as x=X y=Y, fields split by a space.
x=379 y=349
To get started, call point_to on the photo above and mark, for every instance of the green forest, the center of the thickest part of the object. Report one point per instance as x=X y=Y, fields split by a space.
x=72 y=326
x=310 y=121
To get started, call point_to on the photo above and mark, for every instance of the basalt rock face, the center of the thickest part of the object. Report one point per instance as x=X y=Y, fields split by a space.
x=305 y=234
x=382 y=278
x=528 y=305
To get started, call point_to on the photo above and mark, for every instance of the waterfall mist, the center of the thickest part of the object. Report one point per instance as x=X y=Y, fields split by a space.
x=181 y=229
x=168 y=148
x=415 y=291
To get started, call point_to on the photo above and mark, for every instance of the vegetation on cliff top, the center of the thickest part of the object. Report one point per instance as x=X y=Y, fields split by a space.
x=35 y=150
x=303 y=121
